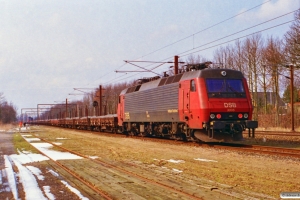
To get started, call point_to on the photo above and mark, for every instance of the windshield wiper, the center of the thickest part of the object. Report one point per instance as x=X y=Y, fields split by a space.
x=233 y=90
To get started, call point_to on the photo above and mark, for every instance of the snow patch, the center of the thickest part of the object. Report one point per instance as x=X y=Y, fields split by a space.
x=177 y=170
x=11 y=176
x=25 y=152
x=37 y=172
x=205 y=160
x=176 y=161
x=32 y=139
x=93 y=157
x=171 y=160
x=28 y=158
x=54 y=155
x=74 y=190
x=48 y=193
x=26 y=135
x=29 y=182
x=53 y=173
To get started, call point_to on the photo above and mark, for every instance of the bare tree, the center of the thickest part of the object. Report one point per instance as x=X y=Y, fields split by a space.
x=2 y=98
x=292 y=41
x=238 y=57
x=220 y=57
x=225 y=57
x=8 y=113
x=272 y=61
x=193 y=59
x=252 y=52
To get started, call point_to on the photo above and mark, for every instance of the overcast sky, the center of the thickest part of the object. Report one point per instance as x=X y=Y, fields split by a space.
x=47 y=48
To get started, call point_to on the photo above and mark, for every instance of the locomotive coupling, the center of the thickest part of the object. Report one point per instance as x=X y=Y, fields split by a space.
x=251 y=124
x=217 y=124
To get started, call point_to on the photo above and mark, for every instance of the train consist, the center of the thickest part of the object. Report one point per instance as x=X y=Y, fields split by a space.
x=201 y=104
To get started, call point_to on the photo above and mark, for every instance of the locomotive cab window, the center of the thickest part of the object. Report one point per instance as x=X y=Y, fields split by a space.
x=225 y=88
x=193 y=86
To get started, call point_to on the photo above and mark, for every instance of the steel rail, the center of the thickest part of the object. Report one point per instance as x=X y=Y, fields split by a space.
x=277 y=133
x=126 y=171
x=85 y=182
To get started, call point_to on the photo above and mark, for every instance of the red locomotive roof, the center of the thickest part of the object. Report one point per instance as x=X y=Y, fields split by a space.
x=205 y=73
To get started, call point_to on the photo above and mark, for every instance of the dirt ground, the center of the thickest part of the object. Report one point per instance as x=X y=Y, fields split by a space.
x=241 y=175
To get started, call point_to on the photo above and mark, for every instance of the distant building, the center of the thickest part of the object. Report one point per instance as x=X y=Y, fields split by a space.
x=296 y=107
x=271 y=99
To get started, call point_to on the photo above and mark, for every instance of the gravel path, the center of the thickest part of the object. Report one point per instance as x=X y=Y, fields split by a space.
x=6 y=148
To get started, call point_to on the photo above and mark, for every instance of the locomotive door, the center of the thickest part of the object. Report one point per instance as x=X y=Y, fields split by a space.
x=187 y=102
x=184 y=98
x=121 y=110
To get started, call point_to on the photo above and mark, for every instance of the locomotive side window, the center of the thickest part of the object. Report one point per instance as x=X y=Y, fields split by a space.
x=193 y=86
x=225 y=88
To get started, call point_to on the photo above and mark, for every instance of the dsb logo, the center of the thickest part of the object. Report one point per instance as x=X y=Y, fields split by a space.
x=229 y=105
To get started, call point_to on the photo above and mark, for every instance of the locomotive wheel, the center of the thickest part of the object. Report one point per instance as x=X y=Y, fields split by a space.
x=144 y=134
x=133 y=132
x=183 y=136
x=210 y=133
x=238 y=136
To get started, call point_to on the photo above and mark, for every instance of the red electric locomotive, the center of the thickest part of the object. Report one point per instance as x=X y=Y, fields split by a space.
x=202 y=103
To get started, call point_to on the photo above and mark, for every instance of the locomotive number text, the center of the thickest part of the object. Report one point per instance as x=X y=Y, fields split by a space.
x=127 y=116
x=229 y=105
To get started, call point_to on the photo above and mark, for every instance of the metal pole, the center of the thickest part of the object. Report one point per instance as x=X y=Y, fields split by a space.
x=66 y=108
x=99 y=109
x=292 y=96
x=100 y=103
x=176 y=64
x=77 y=113
x=86 y=111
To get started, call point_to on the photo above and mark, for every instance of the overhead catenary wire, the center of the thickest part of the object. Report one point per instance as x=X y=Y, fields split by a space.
x=185 y=53
x=236 y=38
x=240 y=31
x=192 y=35
x=219 y=44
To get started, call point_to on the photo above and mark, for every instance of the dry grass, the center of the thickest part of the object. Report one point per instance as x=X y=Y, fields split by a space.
x=276 y=129
x=7 y=127
x=22 y=145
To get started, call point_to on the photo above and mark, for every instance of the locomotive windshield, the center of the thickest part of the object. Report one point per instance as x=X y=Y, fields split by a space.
x=225 y=88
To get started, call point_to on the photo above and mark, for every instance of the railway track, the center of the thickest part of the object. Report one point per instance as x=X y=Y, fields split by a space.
x=76 y=176
x=277 y=151
x=258 y=149
x=144 y=171
x=276 y=133
x=267 y=150
x=109 y=166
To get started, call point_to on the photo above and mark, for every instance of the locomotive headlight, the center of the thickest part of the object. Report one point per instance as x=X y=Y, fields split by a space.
x=223 y=73
x=212 y=116
x=246 y=115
